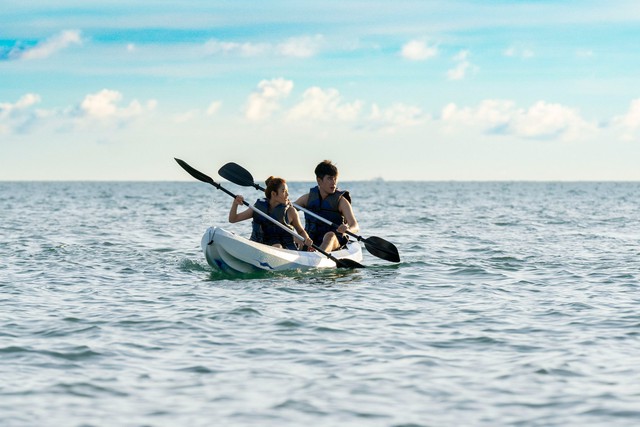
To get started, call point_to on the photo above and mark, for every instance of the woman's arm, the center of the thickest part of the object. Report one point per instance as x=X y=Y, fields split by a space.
x=234 y=216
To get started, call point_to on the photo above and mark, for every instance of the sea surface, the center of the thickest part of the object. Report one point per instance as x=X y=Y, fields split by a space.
x=515 y=304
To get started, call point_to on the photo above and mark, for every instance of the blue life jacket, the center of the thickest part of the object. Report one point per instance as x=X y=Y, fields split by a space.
x=264 y=231
x=328 y=209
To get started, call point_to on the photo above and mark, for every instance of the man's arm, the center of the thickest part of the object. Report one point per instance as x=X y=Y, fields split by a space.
x=302 y=200
x=347 y=212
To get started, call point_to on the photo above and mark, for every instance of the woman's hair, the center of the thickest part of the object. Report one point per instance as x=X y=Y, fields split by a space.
x=273 y=184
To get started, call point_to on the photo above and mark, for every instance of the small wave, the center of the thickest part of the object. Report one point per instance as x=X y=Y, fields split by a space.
x=76 y=354
x=506 y=224
x=634 y=415
x=558 y=372
x=83 y=389
x=14 y=349
x=79 y=354
x=289 y=324
x=467 y=342
x=424 y=219
x=190 y=265
x=300 y=406
x=199 y=369
x=469 y=270
x=245 y=312
x=162 y=250
x=327 y=329
x=61 y=332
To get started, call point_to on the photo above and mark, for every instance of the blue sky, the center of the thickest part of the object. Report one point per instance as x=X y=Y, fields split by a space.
x=406 y=90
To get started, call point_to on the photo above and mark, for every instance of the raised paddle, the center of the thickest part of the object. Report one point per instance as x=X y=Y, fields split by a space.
x=342 y=263
x=375 y=245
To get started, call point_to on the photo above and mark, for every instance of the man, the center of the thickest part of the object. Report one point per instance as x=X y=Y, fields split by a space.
x=328 y=202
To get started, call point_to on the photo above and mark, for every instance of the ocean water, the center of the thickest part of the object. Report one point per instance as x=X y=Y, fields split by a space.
x=515 y=304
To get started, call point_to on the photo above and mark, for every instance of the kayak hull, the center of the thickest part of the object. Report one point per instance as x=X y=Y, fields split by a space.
x=231 y=253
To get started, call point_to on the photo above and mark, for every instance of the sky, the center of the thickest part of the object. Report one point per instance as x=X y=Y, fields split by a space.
x=405 y=90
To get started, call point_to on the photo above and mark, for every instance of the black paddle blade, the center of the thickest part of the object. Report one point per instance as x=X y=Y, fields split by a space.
x=195 y=173
x=379 y=247
x=348 y=263
x=235 y=173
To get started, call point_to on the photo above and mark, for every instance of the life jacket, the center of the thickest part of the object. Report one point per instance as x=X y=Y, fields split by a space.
x=328 y=209
x=264 y=231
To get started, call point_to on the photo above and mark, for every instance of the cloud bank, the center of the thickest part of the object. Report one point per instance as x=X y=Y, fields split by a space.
x=103 y=105
x=501 y=117
x=542 y=120
x=103 y=108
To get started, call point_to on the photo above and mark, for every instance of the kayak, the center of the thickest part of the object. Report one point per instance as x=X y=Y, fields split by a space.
x=235 y=254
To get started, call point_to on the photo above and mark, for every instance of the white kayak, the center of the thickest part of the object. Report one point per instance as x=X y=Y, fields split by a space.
x=232 y=253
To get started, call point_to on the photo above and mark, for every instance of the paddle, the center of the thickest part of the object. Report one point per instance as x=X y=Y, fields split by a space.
x=375 y=245
x=342 y=263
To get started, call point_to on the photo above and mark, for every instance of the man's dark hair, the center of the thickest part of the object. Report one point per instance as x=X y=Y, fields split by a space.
x=325 y=167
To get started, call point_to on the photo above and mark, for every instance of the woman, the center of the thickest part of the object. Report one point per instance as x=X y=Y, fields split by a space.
x=276 y=205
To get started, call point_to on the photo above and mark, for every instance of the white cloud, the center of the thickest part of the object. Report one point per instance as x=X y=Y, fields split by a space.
x=51 y=45
x=19 y=115
x=418 y=50
x=515 y=52
x=101 y=107
x=490 y=114
x=24 y=102
x=265 y=101
x=300 y=47
x=213 y=47
x=213 y=108
x=397 y=116
x=629 y=123
x=459 y=71
x=295 y=47
x=101 y=104
x=104 y=105
x=540 y=121
x=545 y=120
x=319 y=104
